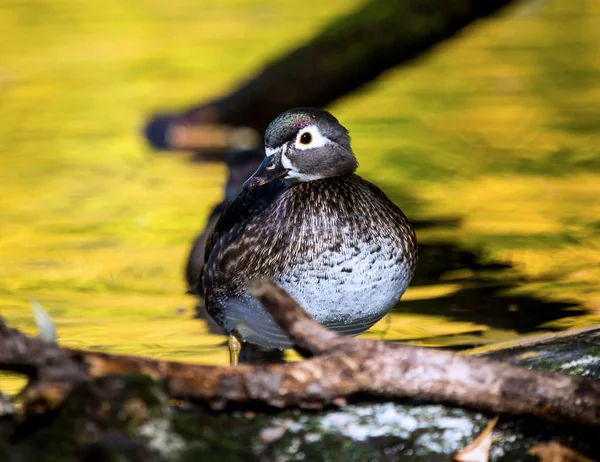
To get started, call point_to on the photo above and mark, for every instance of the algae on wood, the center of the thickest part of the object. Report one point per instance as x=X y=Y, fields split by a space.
x=144 y=424
x=129 y=418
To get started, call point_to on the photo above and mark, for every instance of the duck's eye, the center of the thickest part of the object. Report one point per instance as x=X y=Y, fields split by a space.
x=305 y=138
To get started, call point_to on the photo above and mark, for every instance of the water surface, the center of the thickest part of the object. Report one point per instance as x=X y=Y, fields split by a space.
x=489 y=143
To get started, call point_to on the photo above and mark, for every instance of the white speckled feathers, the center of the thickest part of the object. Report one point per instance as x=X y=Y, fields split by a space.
x=338 y=245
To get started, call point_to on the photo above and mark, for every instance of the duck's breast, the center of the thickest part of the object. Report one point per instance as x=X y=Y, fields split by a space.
x=339 y=247
x=349 y=290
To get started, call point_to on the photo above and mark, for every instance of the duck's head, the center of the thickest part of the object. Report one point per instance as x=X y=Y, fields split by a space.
x=301 y=145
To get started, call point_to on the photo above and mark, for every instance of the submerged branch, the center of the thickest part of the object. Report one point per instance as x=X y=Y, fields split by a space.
x=347 y=54
x=342 y=368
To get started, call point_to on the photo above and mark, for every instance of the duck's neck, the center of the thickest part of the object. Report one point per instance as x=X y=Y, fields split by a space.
x=336 y=178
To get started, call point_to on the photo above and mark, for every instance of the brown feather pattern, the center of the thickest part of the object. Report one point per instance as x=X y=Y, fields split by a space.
x=291 y=227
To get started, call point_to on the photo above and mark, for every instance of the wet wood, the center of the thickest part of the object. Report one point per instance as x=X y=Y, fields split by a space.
x=531 y=340
x=350 y=52
x=341 y=368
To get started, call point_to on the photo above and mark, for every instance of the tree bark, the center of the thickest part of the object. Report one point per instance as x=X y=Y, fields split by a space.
x=342 y=368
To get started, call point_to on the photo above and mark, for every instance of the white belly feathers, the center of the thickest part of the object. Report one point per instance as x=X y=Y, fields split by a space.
x=347 y=291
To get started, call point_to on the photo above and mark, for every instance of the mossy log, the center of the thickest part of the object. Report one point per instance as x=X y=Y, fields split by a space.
x=340 y=369
x=129 y=418
x=82 y=404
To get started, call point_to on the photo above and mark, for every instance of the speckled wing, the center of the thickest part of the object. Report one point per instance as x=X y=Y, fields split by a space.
x=235 y=216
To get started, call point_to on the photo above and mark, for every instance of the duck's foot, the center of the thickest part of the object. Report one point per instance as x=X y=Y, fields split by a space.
x=235 y=346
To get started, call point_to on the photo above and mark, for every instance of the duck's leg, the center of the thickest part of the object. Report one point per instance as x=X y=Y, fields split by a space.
x=235 y=346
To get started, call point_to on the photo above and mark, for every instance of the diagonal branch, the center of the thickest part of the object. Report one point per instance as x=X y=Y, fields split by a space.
x=345 y=367
x=348 y=53
x=394 y=369
x=304 y=330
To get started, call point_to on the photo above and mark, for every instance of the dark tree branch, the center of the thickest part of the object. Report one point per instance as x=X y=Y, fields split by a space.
x=306 y=333
x=343 y=367
x=350 y=52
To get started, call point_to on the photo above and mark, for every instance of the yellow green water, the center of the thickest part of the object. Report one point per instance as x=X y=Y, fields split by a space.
x=495 y=133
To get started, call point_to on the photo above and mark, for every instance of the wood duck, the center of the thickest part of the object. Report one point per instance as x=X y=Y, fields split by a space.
x=331 y=239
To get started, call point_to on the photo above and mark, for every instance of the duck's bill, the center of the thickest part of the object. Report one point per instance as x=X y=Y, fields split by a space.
x=270 y=170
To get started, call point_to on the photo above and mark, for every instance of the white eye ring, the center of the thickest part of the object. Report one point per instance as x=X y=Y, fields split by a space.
x=316 y=138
